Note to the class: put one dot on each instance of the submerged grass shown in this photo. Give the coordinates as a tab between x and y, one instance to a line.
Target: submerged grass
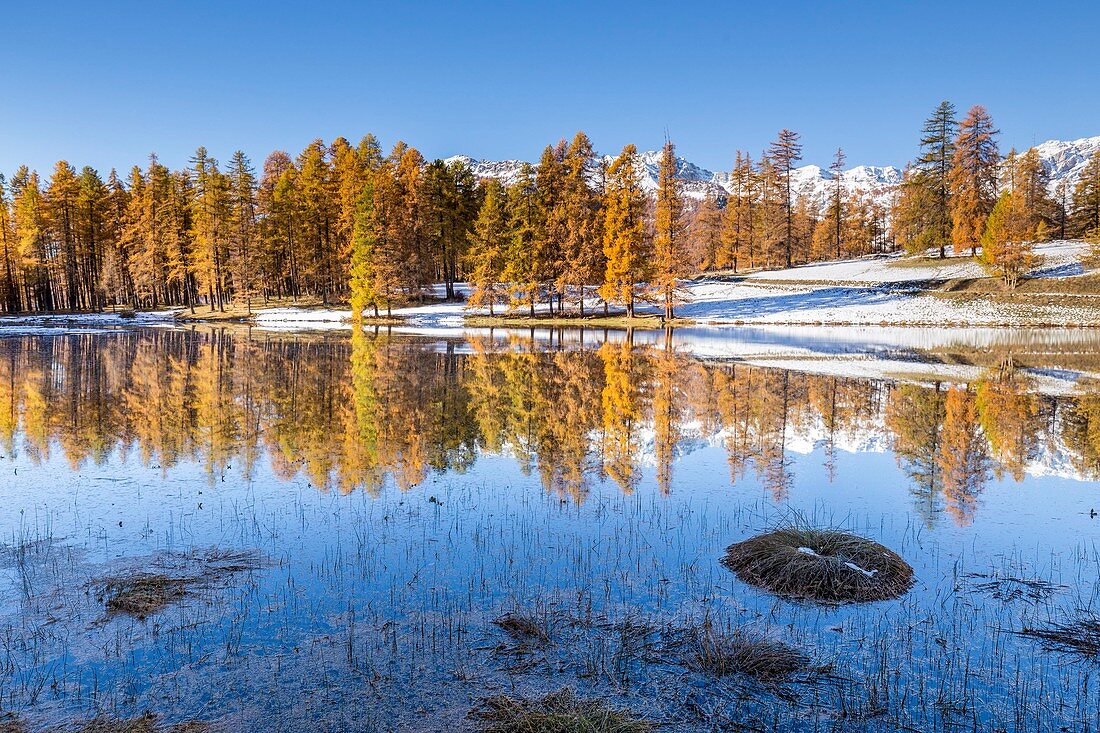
747	653
559	712
1078	637
522	627
145	723
826	565
142	593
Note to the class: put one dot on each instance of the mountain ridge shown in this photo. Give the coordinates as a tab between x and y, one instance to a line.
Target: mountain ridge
1064	161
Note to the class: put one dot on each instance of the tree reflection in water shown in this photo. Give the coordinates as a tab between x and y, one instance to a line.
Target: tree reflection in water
354	413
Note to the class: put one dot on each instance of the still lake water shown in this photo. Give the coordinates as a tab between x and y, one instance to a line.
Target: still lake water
351	513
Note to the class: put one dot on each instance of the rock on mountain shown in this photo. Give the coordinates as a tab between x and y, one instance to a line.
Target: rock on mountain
1063	160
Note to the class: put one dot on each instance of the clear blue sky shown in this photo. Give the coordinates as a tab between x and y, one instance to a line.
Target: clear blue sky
106	83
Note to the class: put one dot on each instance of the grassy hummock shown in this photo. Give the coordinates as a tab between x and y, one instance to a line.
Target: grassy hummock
824	565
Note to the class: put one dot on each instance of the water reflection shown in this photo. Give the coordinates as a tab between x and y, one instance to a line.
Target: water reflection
355	413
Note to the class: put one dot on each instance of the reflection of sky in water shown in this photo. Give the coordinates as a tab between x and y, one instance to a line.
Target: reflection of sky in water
422	572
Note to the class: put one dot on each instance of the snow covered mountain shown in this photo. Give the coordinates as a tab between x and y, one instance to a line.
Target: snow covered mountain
1064	161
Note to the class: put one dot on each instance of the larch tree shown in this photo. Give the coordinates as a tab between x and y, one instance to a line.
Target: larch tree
94	234
739	217
1032	179
209	212
552	230
315	189
705	232
61	200
7	244
242	235
366	263
973	178
521	269
32	237
583	236
488	246
783	153
772	218
669	262
624	235
1007	240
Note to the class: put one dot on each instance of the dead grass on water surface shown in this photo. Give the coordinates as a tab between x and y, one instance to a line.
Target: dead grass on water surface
1078	637
522	627
558	712
823	565
142	593
144	723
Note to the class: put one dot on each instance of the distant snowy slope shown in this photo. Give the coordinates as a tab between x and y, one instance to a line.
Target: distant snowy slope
1063	160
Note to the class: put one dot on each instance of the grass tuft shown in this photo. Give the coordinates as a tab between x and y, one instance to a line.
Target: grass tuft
746	653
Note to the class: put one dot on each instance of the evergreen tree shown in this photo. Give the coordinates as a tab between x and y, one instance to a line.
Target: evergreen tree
973	178
94	234
931	173
1086	199
783	154
836	206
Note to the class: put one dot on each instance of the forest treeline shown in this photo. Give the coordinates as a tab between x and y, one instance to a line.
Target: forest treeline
355	414
348	222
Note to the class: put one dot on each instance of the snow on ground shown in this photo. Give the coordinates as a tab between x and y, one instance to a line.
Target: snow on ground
883	290
1054	257
83	322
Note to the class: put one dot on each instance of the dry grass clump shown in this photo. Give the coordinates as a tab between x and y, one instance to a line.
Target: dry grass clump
748	653
826	565
522	628
143	594
1078	637
558	712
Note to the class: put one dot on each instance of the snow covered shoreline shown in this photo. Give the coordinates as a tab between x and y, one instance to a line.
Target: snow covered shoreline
885	291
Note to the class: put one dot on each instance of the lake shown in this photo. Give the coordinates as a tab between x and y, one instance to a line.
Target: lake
333	531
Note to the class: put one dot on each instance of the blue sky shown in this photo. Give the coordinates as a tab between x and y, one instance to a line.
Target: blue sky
106	83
